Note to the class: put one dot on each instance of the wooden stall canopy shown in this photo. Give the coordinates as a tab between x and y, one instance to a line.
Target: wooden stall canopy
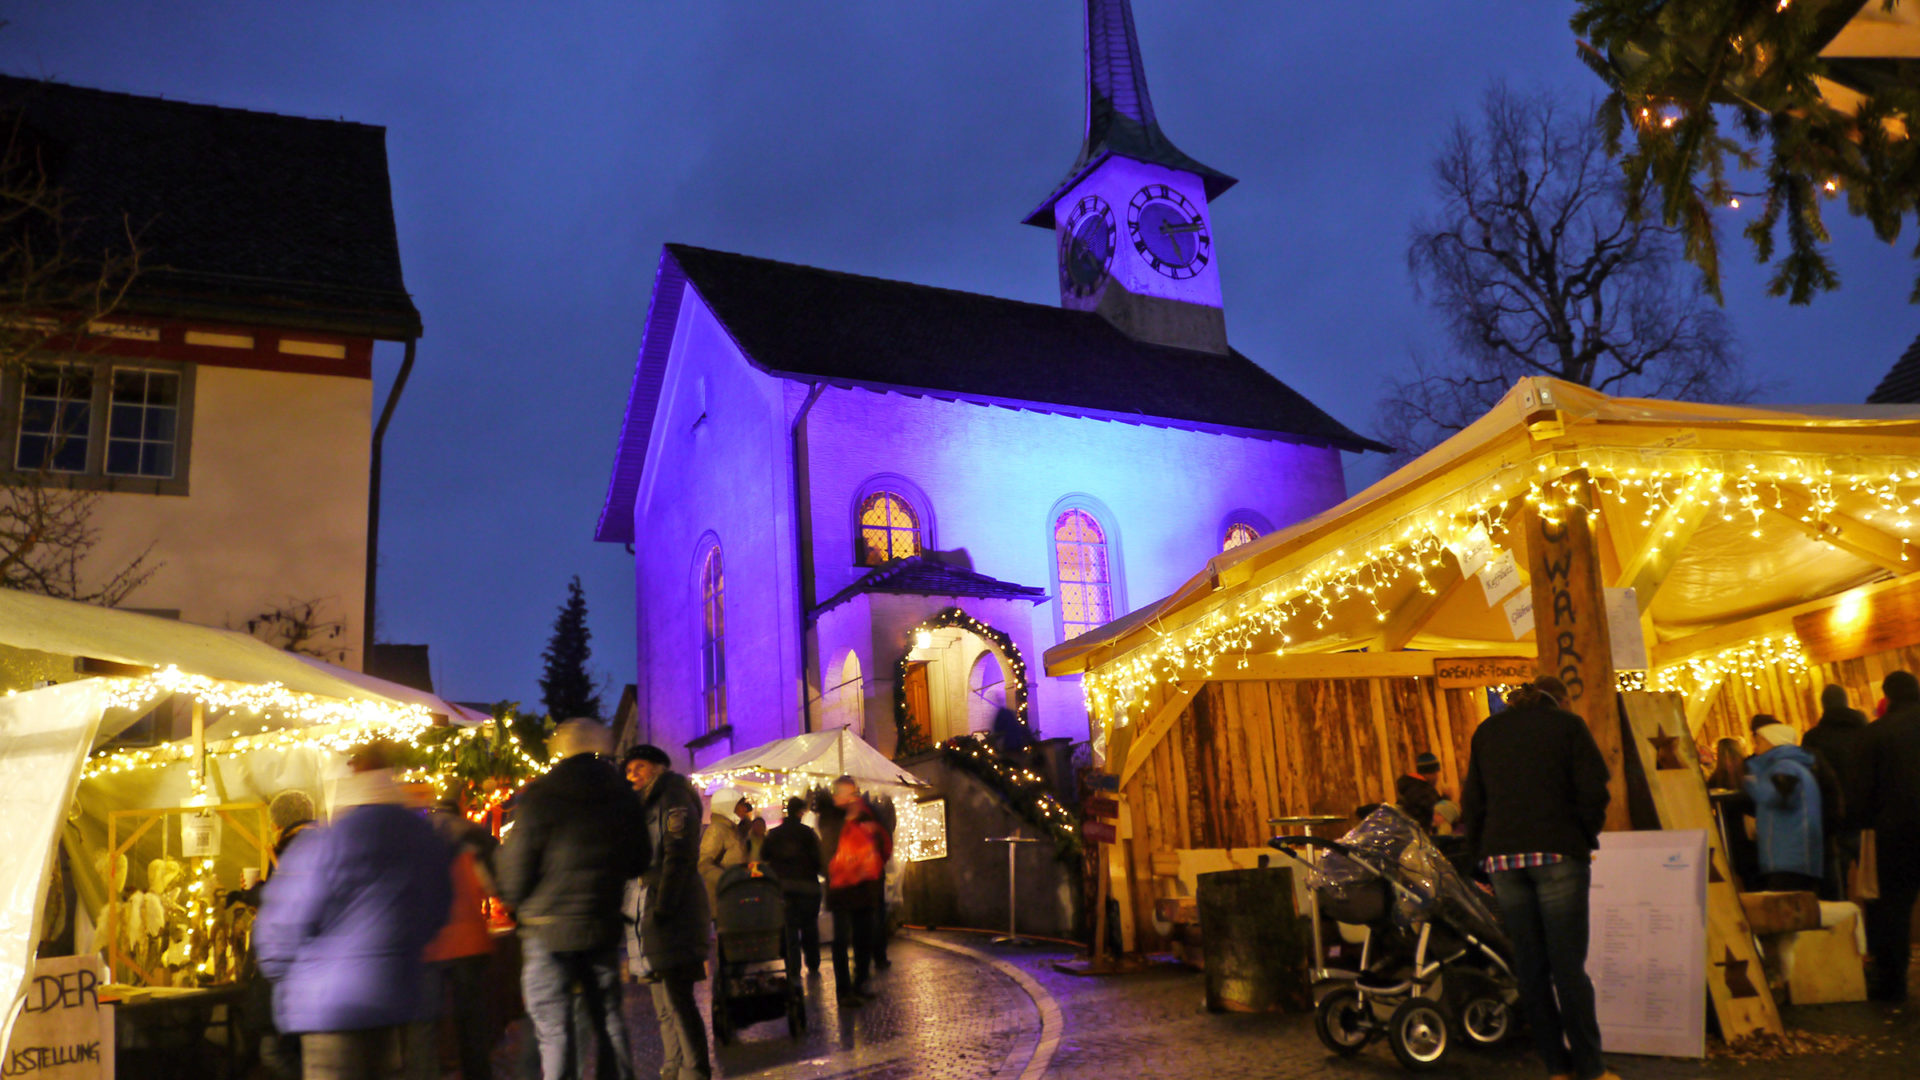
1766	552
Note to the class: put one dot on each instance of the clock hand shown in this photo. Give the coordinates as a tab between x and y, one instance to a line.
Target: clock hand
1169	228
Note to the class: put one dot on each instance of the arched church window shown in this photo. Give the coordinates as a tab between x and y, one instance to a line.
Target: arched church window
1239	533
889	529
713	637
1086	580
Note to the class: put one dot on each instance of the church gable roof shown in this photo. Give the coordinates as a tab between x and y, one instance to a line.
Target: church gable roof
1902	382
241	216
812	325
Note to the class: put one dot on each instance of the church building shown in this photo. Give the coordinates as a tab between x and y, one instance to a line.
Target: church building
863	503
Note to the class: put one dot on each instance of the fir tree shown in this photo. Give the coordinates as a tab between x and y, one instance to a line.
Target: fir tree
565	686
1680	68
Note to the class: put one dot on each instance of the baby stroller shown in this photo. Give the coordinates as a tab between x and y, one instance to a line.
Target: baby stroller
1435	960
752	983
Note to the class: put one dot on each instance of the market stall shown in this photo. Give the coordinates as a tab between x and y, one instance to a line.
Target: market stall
770	774
1709	561
138	756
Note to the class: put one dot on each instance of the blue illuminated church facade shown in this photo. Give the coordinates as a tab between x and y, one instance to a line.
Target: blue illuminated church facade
854	501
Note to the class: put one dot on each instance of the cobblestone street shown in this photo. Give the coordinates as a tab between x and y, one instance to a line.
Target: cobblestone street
948	1014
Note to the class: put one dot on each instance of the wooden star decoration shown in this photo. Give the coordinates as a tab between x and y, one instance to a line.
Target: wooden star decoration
1735	974
1666	752
1714	876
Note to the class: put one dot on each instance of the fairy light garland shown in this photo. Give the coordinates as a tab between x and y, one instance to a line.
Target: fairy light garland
1699	675
952	617
1732	486
1030	793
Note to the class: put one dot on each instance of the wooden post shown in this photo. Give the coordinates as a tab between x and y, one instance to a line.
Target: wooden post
1570	625
1100	905
200	744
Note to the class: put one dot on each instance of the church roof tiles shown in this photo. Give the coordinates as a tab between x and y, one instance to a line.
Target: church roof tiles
1902	383
922	575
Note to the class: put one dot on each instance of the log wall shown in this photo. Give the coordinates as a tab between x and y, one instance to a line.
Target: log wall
1244	752
1794	697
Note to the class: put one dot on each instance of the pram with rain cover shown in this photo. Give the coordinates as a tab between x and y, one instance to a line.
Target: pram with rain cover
1435	960
752	984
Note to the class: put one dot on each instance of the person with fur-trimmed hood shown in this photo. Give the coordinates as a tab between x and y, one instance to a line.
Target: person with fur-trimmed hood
668	920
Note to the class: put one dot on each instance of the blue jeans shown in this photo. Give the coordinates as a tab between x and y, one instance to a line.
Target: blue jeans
548	981
1545	909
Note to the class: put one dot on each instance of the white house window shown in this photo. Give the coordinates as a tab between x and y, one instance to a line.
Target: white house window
1239	533
56	418
100	425
142	422
713	636
888	528
1086	582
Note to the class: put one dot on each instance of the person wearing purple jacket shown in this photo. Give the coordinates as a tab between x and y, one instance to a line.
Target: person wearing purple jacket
342	924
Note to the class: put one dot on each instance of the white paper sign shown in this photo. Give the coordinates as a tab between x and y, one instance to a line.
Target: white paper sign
1623	628
1648	952
1520	614
1500	577
1473	552
199	836
63	1033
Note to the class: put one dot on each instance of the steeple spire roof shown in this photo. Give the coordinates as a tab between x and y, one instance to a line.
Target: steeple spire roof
1120	119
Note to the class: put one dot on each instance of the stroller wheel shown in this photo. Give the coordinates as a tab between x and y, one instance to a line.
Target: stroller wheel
1486	1021
1418	1034
1343	1022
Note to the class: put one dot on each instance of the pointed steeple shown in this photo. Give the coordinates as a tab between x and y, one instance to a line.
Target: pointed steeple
1120	119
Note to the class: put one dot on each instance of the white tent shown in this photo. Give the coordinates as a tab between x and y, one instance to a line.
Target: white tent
816	758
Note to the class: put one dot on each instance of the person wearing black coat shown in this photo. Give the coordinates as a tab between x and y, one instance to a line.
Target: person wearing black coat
1891	807
578	835
792	850
668	918
1840	739
1534	801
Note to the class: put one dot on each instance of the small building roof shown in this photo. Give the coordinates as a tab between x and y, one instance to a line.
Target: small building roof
929	575
823	326
242	216
1901	385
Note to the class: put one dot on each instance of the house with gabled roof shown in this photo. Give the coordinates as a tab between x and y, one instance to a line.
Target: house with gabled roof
873	504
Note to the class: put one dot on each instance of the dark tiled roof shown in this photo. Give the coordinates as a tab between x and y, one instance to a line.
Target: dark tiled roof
1120	116
1902	383
243	216
408	665
919	575
823	325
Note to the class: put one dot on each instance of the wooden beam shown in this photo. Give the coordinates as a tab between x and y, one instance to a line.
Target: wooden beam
1352	665
1412	614
1765	624
1644	568
1844	531
1149	734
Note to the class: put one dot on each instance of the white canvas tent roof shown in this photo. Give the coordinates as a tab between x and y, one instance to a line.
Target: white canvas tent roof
822	754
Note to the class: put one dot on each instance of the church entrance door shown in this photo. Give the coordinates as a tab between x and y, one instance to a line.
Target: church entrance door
919	708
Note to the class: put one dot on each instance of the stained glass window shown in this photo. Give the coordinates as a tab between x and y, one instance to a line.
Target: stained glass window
56	418
142	417
713	635
1086	584
888	529
1239	533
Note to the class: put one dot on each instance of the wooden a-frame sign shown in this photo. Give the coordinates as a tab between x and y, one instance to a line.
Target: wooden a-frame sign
1735	981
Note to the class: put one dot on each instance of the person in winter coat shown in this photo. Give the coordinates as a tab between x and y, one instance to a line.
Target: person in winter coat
1891	807
1841	738
724	845
458	957
856	875
668	920
792	850
1415	792
1783	782
578	835
342	923
1533	803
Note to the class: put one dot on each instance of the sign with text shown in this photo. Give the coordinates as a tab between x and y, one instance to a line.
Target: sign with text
1464	673
1647	912
63	1032
1519	611
1499	578
1473	552
1104	808
1624	630
1099	832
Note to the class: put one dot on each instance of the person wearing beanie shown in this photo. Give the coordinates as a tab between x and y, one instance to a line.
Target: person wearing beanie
1891	807
1786	799
1415	792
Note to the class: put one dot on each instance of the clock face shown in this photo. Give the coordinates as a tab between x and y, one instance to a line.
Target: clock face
1086	246
1169	231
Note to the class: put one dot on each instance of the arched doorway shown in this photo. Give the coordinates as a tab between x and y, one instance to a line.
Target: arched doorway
957	676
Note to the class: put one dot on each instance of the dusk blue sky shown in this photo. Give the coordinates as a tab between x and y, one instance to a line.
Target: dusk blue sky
542	153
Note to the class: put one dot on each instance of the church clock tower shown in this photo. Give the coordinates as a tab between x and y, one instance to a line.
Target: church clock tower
1131	220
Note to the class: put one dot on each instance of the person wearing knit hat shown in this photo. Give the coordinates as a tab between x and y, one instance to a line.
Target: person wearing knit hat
1786	798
